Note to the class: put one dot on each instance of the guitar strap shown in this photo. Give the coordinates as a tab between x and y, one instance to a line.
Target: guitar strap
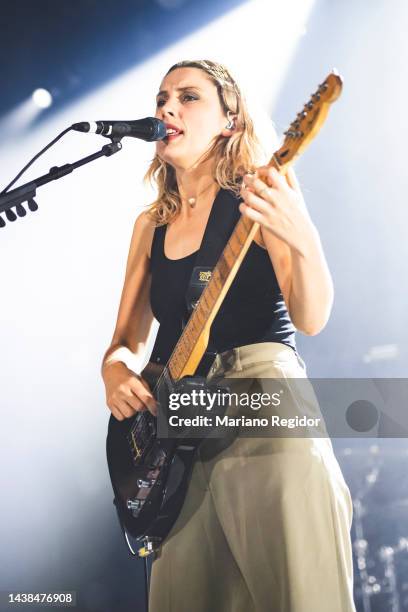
223	218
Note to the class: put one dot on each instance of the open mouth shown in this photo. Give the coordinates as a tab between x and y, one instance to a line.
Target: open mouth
172	134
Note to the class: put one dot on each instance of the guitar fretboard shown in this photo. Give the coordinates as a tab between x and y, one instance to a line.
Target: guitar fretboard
194	339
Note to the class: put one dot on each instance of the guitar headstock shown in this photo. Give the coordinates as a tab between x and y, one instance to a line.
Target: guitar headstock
308	122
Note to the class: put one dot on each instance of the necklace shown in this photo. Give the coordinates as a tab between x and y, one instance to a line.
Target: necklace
193	201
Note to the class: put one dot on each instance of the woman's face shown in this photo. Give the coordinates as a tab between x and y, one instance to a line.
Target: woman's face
188	101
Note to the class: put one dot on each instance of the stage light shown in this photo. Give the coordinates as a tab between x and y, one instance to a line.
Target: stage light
42	98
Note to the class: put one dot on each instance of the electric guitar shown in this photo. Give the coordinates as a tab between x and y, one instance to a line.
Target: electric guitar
150	475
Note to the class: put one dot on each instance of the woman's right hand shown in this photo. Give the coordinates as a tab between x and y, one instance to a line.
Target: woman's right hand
126	392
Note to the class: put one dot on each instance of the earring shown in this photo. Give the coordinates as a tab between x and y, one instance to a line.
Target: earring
230	125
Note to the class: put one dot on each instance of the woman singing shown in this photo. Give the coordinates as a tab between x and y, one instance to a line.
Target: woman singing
265	523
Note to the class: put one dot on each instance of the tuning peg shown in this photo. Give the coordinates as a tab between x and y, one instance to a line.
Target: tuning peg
2	222
11	215
20	210
32	205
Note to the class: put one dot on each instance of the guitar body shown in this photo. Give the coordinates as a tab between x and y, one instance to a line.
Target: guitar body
150	476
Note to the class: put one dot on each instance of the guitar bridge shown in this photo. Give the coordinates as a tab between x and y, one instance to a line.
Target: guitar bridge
135	505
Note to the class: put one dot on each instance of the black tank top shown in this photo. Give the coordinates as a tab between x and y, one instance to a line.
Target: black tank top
253	310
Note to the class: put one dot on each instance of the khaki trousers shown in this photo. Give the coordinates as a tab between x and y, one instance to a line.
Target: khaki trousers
265	526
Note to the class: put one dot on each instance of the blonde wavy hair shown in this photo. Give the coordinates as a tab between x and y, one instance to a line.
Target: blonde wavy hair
233	156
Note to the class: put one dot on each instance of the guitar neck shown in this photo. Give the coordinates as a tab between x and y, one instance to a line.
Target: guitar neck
193	342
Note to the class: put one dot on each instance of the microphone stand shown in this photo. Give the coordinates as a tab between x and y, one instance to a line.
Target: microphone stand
27	192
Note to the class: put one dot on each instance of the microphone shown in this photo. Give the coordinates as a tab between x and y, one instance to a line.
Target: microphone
148	129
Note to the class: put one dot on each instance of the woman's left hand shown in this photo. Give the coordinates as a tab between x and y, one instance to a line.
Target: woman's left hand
277	204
